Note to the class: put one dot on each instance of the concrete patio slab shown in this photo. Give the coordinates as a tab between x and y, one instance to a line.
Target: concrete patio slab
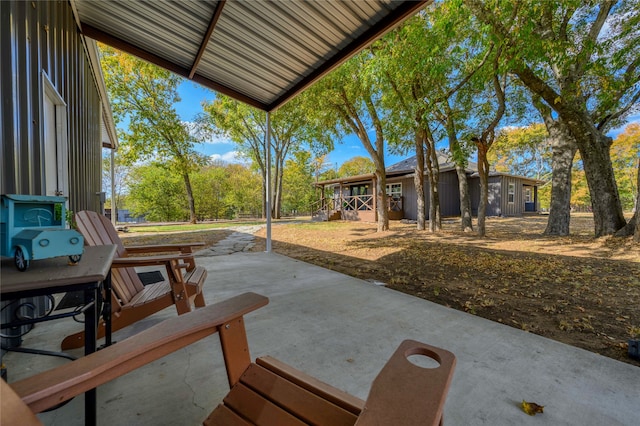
342	330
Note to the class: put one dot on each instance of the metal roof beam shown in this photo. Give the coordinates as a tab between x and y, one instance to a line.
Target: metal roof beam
207	36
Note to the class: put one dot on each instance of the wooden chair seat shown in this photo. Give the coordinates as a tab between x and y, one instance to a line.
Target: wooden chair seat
150	293
131	300
267	392
264	396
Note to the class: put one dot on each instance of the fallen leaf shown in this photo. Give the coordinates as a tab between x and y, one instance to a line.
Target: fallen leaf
531	408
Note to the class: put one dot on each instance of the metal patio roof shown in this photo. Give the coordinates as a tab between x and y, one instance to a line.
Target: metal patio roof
261	52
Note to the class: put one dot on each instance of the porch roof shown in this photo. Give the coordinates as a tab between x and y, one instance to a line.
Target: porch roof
260	52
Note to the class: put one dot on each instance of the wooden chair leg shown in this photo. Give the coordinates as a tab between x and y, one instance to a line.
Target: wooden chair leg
178	288
199	300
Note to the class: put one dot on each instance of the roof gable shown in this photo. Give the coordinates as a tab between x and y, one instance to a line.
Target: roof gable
408	165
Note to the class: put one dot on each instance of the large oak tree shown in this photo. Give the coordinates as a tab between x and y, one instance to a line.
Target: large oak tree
143	98
581	58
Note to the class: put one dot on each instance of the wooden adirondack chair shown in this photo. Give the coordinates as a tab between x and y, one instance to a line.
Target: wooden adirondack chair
131	300
267	392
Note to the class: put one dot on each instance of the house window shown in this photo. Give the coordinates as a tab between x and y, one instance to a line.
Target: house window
511	193
359	190
394	190
527	195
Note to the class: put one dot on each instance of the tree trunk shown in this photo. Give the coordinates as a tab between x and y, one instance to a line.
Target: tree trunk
633	226
381	193
433	172
418	180
264	193
636	236
605	200
466	224
277	187
594	150
190	200
483	172
564	149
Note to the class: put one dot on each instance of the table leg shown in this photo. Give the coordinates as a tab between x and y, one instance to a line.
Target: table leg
106	313
90	337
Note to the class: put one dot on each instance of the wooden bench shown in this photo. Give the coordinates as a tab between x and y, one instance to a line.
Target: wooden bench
266	392
131	300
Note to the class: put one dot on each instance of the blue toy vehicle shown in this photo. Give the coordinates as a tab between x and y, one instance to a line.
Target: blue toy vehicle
34	227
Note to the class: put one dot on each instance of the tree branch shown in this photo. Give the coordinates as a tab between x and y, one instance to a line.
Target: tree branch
611	117
468	77
589	42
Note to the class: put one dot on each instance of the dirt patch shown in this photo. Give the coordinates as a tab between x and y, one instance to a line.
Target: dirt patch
578	290
208	237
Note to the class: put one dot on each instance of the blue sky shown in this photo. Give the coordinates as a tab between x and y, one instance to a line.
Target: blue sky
193	95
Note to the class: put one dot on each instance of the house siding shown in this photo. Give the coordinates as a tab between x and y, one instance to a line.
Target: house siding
37	37
447	190
494	202
517	206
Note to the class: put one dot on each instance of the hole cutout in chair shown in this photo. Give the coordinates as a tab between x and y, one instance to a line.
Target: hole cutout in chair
423	361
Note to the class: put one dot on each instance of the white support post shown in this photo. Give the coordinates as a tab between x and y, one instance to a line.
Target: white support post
114	210
267	150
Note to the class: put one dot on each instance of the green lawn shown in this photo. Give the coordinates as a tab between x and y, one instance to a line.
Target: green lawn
182	227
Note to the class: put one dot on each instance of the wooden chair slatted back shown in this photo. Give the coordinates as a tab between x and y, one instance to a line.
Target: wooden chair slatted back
97	230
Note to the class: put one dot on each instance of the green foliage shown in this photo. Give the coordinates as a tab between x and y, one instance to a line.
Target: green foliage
157	194
224	191
523	151
298	179
246	127
210	190
624	157
348	101
144	96
244	196
356	166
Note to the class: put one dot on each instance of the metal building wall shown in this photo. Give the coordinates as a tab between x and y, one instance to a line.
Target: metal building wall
37	37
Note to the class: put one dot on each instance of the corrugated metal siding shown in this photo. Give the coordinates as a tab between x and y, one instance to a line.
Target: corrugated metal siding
37	37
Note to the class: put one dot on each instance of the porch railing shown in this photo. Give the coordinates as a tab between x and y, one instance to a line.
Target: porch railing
352	203
357	202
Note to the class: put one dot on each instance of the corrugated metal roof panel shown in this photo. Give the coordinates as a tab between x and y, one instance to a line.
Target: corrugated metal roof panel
261	52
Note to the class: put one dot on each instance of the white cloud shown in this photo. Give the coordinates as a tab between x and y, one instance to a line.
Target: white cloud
216	140
233	157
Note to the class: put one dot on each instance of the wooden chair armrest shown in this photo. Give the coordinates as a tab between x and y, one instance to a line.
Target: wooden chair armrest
406	394
163	259
49	388
156	248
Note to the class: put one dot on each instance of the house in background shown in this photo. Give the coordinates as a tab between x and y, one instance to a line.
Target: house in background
352	198
55	112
